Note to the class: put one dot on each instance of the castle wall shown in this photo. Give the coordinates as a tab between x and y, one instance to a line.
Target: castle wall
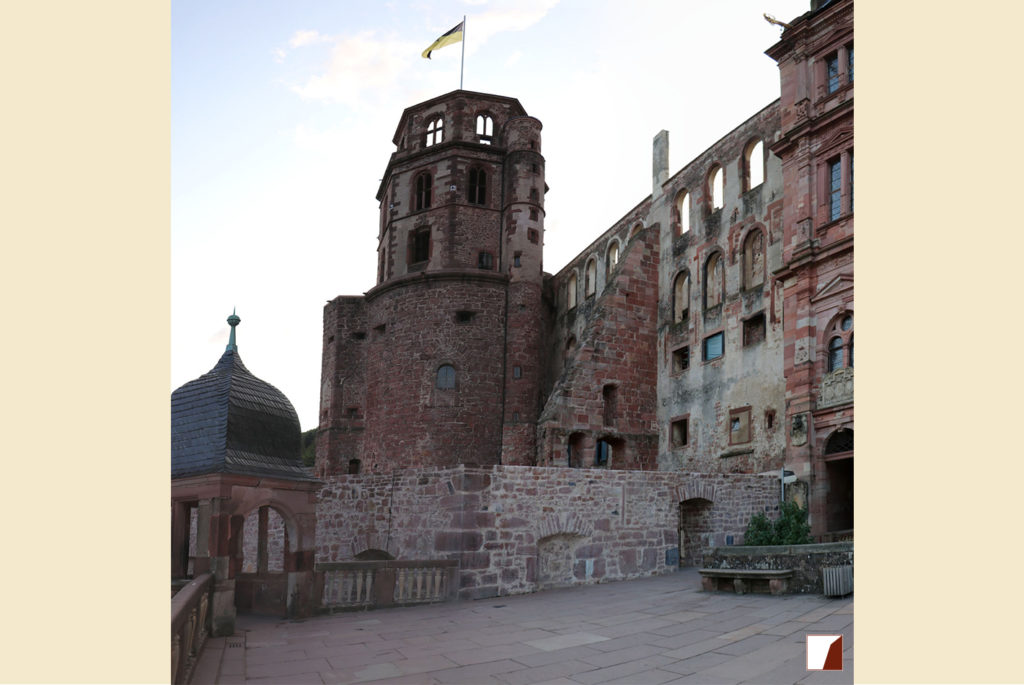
602	353
518	529
722	412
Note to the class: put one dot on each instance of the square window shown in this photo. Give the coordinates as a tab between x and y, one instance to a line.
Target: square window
739	426
714	346
754	330
517	259
681	359
832	73
681	432
533	235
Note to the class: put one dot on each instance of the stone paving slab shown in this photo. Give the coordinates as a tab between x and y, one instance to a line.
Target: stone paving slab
647	631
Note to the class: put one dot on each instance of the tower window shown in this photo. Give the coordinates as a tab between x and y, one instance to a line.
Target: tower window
534	215
435	131
485	128
423	186
533	235
420	247
485	260
446	377
477	186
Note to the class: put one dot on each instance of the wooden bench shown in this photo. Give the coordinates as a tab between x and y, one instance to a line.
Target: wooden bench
746	580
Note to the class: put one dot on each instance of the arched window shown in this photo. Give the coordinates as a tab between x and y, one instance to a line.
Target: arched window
485	128
570	291
716	185
636	229
683	207
840	441
713	281
613	256
446	377
753	259
477	186
591	278
835	353
423	185
754	164
681	297
435	131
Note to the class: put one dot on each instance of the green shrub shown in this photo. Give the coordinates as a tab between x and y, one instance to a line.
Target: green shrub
791	528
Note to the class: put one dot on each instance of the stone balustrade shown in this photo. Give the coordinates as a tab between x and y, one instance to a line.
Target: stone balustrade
190	626
371	584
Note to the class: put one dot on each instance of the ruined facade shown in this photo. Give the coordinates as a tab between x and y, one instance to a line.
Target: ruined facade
707	331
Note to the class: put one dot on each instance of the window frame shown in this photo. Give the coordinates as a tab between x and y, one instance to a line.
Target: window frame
477	186
435	132
742	415
704	346
443	380
423	187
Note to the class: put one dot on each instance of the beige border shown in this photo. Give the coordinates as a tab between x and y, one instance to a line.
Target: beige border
84	196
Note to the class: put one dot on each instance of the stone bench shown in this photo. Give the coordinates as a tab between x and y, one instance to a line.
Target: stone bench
746	580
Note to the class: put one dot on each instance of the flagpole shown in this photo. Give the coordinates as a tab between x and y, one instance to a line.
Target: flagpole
462	66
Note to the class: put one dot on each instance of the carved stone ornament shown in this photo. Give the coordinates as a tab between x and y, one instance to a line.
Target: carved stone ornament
798	431
836	388
801	353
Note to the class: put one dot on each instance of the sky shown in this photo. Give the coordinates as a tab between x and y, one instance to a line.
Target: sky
282	115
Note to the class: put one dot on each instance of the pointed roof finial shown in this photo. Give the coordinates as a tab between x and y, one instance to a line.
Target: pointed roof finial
233	321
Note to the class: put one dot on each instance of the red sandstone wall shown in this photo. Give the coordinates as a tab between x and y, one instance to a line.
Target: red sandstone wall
342	385
515	529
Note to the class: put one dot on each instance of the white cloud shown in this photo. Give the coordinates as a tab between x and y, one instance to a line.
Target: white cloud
359	64
279	54
513	58
505	15
301	38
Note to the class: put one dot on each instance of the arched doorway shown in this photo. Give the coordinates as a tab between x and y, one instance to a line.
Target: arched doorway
838	455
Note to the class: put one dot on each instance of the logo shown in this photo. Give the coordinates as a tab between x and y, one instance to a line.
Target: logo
824	652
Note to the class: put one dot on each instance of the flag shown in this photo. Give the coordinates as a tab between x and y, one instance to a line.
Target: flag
454	35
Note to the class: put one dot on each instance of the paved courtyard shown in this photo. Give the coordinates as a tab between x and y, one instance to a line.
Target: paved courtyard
653	630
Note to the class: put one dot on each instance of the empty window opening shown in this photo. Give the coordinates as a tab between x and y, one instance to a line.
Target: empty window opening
351	412
517	372
681	432
534	215
435	131
423	187
714	346
534	195
769	418
533	235
754	330
681	298
420	247
477	186
739	426
713	281
832	73
613	256
464	316
635	230
590	277
570	344
534	168
609	394
753	260
485	128
359	335
683	207
353	466
681	359
570	291
755	165
602	453
485	260
717	186
517	259
330	339
446	377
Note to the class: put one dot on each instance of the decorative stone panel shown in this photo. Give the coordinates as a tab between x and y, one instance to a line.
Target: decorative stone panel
836	388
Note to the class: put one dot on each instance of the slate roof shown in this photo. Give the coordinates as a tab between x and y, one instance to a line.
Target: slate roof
230	421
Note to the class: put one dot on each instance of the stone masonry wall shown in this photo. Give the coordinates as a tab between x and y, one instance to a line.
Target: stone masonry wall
516	529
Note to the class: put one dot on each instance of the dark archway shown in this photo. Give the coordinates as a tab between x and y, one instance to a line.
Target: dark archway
695	529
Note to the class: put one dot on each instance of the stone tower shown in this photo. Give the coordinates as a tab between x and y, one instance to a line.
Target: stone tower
438	364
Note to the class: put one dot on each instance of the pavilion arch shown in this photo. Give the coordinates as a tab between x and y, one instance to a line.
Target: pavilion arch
292	529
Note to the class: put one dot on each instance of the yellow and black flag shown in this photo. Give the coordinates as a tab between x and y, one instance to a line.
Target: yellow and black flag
454	35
